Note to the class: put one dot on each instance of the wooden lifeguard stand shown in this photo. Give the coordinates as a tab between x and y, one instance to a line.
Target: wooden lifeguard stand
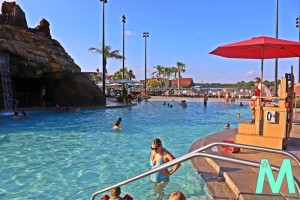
273	120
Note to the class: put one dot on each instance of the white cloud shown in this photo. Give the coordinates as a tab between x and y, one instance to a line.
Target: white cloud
129	33
248	74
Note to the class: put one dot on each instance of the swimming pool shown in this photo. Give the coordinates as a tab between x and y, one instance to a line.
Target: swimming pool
71	155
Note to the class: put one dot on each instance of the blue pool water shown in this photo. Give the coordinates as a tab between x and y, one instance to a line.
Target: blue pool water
71	155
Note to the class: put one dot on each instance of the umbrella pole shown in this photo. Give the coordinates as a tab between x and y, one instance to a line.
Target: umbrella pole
259	126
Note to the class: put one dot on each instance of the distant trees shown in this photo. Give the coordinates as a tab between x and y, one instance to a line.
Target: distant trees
166	73
239	85
159	71
127	73
180	69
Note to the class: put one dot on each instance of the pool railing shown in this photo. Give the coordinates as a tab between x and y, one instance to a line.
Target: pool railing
199	152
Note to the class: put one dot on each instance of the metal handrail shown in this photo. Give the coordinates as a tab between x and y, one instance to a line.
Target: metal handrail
266	149
196	153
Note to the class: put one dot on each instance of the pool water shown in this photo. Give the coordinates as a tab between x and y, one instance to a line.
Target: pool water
71	155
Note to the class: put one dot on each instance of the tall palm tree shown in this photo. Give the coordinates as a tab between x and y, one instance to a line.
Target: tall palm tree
180	69
167	72
166	75
108	53
174	71
128	74
159	70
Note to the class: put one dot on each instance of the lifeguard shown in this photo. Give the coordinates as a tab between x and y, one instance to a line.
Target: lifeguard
259	88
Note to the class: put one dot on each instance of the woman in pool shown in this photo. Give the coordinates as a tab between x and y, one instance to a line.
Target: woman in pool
158	157
117	124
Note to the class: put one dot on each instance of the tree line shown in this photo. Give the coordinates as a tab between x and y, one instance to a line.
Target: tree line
164	73
239	85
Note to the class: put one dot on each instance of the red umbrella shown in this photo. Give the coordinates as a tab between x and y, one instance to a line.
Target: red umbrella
260	48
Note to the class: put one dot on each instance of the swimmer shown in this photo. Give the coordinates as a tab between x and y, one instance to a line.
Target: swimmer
227	125
16	115
117	124
238	115
77	109
24	115
159	156
183	104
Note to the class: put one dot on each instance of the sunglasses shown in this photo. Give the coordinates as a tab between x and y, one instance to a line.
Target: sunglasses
255	81
155	148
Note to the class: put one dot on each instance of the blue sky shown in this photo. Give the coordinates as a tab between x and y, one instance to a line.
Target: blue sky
184	31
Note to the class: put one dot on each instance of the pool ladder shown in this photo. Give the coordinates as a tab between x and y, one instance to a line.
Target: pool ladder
199	152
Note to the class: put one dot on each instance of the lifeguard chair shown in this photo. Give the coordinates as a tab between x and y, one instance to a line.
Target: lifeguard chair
273	120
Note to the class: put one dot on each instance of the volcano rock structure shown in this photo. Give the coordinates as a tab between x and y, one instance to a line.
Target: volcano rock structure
37	60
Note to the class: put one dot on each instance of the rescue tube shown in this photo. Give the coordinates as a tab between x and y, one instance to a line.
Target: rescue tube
230	149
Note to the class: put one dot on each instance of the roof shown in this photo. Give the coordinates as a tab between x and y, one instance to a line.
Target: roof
185	82
108	76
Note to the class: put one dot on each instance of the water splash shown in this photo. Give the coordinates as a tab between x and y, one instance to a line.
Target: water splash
6	85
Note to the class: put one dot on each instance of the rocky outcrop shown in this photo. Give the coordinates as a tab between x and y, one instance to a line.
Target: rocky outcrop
67	92
12	14
44	27
32	54
36	60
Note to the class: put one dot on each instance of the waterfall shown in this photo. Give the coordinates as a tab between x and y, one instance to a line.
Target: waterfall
5	77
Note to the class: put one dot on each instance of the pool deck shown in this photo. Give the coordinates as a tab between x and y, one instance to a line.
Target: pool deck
226	180
112	103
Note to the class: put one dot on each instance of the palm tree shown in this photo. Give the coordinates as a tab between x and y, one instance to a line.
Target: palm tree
128	74
96	78
167	72
174	70
118	75
159	70
107	54
180	69
166	75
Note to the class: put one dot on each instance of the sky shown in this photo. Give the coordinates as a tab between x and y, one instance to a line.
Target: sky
179	31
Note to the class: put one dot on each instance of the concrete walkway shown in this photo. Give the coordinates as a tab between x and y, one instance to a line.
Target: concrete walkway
226	180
